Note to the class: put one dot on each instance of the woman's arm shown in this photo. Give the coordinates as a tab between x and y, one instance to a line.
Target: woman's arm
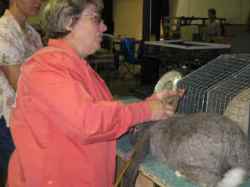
12	73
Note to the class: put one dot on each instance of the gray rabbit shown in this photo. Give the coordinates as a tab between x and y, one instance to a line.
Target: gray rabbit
207	148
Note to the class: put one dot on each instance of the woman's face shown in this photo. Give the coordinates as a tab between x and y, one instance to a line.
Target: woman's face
28	7
87	32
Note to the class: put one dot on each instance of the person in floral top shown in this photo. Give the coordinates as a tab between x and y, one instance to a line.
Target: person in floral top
18	40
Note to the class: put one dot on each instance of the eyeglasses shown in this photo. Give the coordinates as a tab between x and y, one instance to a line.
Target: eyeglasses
96	18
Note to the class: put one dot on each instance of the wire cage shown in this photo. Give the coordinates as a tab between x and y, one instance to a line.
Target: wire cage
226	90
212	86
238	109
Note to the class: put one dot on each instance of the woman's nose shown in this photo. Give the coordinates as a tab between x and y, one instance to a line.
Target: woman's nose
103	27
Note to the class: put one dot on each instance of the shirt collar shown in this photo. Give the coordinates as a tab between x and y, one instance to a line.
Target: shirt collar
62	44
12	21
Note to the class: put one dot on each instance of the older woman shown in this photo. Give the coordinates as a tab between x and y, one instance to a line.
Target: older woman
65	123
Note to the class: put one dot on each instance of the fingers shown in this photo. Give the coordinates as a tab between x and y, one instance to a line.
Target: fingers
168	93
181	92
160	110
169	110
163	104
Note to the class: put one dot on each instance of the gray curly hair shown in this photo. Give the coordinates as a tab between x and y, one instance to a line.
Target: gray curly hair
57	13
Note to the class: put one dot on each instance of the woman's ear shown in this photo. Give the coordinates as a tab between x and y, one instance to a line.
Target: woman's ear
70	23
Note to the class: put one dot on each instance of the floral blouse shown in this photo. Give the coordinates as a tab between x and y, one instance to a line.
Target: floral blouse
16	45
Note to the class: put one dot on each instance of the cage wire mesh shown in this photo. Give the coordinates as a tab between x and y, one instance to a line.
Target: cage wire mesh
220	95
238	109
212	86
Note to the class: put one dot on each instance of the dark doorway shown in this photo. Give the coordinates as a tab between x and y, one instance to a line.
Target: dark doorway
4	4
153	12
108	15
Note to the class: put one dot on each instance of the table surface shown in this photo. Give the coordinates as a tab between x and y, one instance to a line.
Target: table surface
188	45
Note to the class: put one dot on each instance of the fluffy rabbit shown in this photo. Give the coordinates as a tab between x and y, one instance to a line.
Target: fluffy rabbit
207	148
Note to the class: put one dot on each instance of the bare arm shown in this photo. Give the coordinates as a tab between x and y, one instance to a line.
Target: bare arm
12	73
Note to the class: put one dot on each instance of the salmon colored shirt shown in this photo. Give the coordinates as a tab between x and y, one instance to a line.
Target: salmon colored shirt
65	122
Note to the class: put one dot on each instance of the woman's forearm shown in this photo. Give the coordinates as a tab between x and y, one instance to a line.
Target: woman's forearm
12	73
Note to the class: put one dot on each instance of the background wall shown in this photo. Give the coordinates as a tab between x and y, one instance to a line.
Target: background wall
128	13
235	11
128	18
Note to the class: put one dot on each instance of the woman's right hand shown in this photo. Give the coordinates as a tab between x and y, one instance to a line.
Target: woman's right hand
163	104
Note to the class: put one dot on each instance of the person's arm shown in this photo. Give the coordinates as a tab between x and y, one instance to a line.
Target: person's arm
12	73
10	60
57	99
70	107
65	103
